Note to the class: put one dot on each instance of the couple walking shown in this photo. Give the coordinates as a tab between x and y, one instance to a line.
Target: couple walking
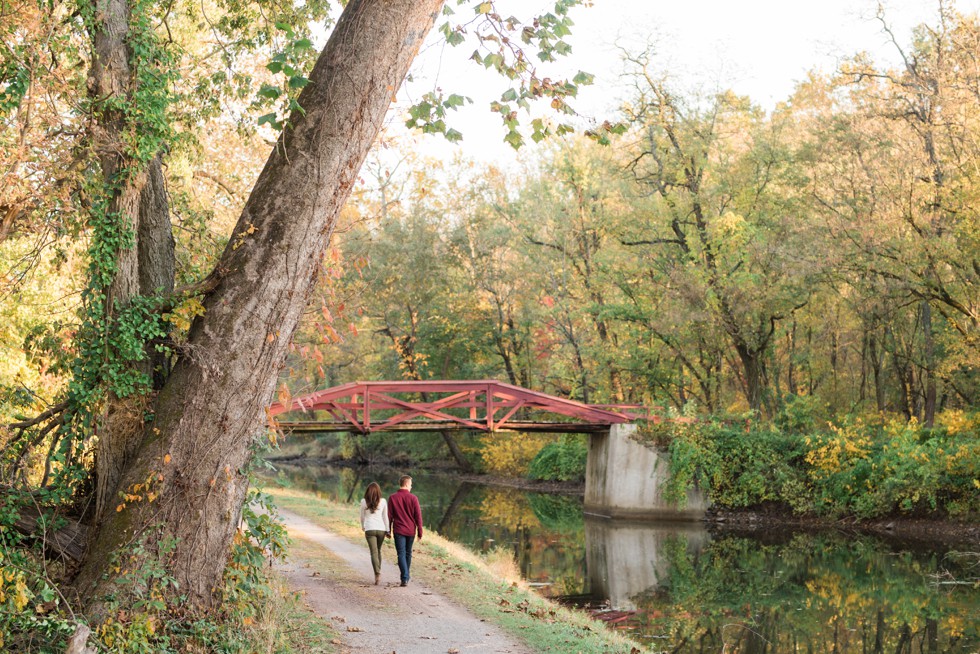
401	514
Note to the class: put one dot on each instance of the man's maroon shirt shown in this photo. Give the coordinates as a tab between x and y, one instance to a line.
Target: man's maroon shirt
405	513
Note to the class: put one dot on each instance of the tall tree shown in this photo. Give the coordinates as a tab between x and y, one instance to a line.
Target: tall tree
206	415
895	179
571	216
723	215
175	433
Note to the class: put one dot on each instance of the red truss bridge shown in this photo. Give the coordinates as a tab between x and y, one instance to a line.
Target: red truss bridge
485	405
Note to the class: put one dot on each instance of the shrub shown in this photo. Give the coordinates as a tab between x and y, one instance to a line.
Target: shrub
737	464
510	454
563	460
859	467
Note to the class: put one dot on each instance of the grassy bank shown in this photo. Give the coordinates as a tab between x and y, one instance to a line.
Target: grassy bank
300	630
488	586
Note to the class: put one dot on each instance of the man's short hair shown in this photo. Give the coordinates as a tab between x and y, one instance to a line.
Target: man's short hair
403	481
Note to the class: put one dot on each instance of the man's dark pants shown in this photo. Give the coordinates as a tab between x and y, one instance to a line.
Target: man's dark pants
403	546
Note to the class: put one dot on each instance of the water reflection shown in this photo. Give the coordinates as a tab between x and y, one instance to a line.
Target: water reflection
626	560
687	591
813	593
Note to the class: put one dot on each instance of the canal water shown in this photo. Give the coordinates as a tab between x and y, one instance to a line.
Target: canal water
679	588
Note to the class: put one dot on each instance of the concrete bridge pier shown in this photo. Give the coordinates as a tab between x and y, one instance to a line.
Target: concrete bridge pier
625	479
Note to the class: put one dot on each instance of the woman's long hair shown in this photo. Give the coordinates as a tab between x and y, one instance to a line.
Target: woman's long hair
372	496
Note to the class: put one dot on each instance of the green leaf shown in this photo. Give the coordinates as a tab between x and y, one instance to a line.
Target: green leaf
421	110
493	59
269	91
270	119
484	8
298	82
453	36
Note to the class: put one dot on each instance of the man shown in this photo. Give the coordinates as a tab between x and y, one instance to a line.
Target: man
406	521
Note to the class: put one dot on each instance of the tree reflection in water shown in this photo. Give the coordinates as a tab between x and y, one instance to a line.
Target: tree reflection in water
698	593
814	594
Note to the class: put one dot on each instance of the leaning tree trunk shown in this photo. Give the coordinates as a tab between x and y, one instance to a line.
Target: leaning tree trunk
211	409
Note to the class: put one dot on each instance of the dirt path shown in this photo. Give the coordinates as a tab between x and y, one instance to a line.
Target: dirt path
387	618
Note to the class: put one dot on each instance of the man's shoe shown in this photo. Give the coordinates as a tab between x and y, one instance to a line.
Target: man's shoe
377	578
404	583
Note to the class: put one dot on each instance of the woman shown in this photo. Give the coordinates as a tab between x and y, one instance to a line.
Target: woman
374	521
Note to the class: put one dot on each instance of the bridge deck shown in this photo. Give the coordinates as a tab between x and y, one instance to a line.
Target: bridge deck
313	426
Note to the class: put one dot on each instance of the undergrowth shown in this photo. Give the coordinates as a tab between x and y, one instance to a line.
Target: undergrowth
864	467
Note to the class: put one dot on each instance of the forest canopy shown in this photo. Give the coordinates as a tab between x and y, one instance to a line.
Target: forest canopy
716	256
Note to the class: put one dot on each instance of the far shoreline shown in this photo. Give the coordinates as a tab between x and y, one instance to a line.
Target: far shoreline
750	521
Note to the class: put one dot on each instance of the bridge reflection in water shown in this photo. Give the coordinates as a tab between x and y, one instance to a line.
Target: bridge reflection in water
626	560
688	591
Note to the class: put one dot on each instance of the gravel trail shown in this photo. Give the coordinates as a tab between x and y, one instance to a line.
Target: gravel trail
387	618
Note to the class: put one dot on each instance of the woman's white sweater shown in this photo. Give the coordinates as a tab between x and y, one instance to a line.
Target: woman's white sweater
376	521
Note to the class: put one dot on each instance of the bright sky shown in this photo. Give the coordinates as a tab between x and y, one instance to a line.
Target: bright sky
759	48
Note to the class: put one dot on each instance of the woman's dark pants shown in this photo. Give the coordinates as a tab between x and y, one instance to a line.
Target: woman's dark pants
375	539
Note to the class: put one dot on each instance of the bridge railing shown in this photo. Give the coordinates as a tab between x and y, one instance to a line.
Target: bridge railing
485	405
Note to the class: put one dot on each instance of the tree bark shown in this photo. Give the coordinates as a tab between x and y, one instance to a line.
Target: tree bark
456	452
211	409
140	206
928	374
752	365
147	269
877	372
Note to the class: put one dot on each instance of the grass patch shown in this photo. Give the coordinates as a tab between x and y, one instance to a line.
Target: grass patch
303	631
491	589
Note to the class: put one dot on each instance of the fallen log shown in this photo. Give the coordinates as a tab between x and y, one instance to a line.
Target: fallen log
66	542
